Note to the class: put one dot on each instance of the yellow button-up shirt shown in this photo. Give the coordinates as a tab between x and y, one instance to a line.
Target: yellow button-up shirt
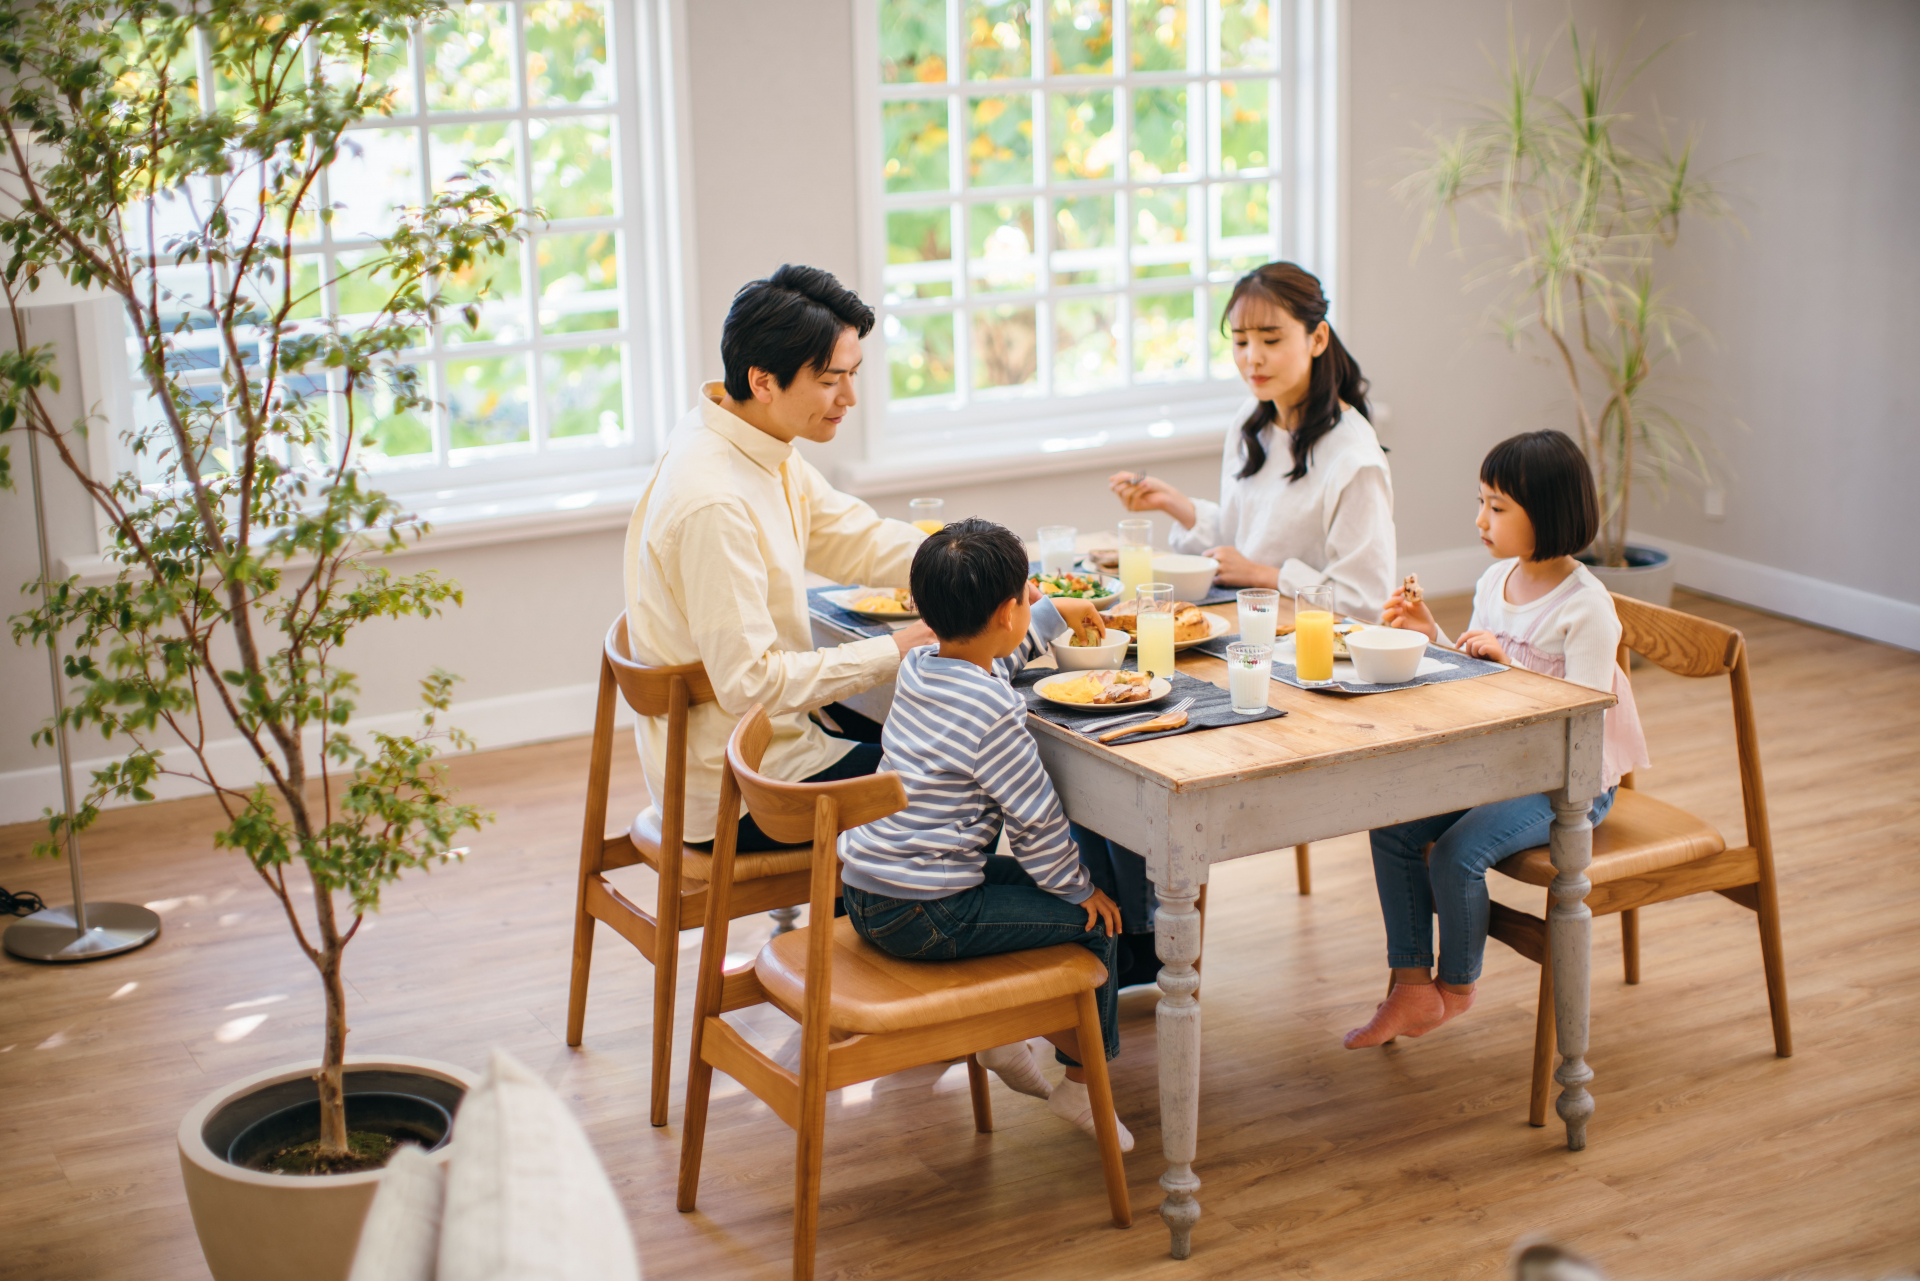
716	562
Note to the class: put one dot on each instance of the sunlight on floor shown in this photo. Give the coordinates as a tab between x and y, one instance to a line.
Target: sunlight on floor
234	1029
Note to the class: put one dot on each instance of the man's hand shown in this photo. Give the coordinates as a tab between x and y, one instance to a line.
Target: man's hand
1102	911
1237	571
1415	617
1482	645
914	634
1080	615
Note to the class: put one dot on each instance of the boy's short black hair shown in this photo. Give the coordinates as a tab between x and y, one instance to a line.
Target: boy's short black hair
965	572
1545	472
785	323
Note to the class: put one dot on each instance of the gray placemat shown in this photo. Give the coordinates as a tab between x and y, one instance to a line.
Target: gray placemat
1212	707
1458	667
828	612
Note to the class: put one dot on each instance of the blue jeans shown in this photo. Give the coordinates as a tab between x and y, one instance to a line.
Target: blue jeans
1121	875
1006	912
1452	882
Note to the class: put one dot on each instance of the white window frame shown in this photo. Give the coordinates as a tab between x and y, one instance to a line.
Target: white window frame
966	437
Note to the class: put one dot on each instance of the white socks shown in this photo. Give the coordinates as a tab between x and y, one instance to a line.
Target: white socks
1071	1102
1015	1065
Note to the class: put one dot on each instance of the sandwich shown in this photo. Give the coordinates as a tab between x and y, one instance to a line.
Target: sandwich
1410	590
1188	622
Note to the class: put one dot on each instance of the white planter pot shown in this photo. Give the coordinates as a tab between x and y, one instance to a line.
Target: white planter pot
281	1227
1647	575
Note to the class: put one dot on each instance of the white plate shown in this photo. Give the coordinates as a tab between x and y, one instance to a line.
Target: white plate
1158	689
1216	625
845	600
1098	602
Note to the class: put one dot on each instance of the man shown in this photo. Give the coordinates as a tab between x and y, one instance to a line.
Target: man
719	546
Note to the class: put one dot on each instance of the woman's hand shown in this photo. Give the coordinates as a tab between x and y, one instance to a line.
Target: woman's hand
1414	618
1237	571
1103	912
1080	616
1482	645
1150	494
913	634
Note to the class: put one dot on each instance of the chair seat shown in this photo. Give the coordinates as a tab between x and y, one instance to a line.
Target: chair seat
1638	836
697	864
874	992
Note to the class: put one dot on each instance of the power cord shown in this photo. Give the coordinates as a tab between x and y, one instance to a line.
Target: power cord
25	903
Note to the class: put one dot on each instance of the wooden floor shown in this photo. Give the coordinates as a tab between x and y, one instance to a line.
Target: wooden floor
1710	1158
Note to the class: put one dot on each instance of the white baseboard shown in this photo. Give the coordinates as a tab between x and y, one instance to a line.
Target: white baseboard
509	721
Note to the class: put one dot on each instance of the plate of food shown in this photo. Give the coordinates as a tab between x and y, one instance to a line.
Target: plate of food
1102	560
1104	691
1101	590
882	604
1191	624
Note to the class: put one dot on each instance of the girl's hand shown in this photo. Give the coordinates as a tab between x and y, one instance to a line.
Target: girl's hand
1080	615
1237	571
1148	494
1482	645
1414	618
1102	912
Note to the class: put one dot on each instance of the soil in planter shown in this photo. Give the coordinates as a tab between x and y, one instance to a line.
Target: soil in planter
287	1141
365	1151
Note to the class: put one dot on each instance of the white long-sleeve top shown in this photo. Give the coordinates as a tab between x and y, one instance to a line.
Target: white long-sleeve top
1333	525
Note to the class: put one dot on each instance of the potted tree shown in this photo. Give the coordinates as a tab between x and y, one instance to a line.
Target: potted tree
1583	213
244	531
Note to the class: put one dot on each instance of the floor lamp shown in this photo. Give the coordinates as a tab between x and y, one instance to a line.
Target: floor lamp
86	931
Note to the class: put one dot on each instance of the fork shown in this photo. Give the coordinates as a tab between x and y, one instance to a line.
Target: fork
1115	722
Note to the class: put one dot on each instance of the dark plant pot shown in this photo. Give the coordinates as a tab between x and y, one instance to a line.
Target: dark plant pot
1647	575
402	1116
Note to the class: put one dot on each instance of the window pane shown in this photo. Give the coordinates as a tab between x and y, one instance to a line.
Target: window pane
1245	35
357	291
1231	269
920	253
1000	152
1086	345
567	53
494	290
1000	245
920	355
579	282
1244	111
1005	350
573	173
487	402
584	391
1157	35
914	135
1085	144
377	174
1219	340
999	39
1084	248
1159	132
387	71
1165	344
384	432
913	41
1242	209
470	59
478	154
1080	38
1162	235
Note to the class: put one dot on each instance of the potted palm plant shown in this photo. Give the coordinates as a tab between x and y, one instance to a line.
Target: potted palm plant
169	156
1584	214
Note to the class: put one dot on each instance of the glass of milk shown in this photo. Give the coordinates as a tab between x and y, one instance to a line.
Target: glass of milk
1056	548
1249	670
1259	610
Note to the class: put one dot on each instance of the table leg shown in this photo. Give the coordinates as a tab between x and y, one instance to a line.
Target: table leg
1571	940
1177	938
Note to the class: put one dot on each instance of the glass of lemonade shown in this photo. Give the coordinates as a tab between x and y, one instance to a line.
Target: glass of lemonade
1313	634
1259	611
1056	548
1249	671
926	514
1156	628
1136	555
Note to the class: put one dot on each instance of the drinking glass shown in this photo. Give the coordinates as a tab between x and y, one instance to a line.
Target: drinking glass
1156	629
1056	548
1249	670
1313	634
1259	611
925	513
1136	555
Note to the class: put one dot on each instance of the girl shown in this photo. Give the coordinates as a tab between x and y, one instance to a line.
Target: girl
1540	609
1322	509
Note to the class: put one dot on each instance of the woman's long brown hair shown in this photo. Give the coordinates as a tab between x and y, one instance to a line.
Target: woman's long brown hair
1335	377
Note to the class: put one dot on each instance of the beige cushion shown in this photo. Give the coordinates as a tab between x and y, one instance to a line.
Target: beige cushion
527	1199
400	1240
1639	835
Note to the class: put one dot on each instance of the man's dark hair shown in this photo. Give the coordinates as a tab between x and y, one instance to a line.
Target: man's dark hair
965	572
785	323
1545	472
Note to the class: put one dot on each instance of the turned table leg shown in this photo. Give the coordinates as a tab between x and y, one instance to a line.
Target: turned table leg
1177	939
1571	940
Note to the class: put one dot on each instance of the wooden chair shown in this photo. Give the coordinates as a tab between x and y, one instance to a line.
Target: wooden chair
774	879
862	1014
1648	851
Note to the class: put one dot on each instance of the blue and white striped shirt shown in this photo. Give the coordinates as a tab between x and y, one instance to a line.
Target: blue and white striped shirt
958	738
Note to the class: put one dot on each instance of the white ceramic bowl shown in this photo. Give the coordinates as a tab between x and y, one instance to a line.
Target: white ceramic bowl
1191	576
1085	658
1385	655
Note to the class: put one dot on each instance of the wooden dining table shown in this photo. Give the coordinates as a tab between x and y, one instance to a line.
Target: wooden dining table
1334	765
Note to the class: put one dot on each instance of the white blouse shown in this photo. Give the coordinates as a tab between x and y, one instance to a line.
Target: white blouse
1333	525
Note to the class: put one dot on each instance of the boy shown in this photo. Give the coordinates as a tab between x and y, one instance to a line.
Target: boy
924	882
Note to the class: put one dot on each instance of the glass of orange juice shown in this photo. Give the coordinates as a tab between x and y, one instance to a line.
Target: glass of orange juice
1313	634
926	514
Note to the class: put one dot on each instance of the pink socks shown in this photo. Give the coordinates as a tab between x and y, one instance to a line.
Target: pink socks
1409	1010
1457	1003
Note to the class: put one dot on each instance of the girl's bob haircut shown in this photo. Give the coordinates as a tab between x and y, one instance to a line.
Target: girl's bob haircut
1545	472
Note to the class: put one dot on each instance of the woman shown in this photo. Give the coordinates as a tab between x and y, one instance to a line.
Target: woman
1320	512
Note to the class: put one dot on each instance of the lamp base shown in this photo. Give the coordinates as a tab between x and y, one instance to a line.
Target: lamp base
112	928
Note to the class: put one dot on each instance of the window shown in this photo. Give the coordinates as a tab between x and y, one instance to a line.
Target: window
1061	194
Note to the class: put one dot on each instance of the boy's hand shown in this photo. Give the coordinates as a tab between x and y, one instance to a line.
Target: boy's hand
1102	911
1081	616
1414	618
1483	645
